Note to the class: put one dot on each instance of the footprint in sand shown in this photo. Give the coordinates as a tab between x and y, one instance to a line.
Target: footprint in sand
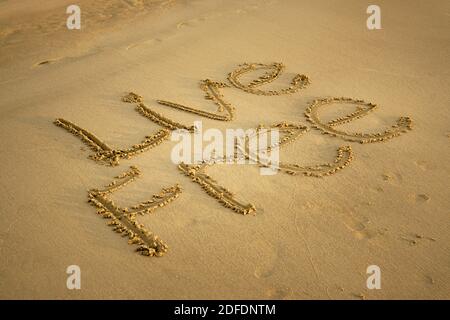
279	293
419	198
359	226
378	189
415	239
392	177
184	24
266	257
191	22
46	62
430	279
423	197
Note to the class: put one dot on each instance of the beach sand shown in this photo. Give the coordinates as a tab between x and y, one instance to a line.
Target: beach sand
310	237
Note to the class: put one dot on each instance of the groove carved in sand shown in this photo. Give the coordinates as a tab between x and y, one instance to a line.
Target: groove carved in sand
212	92
123	220
274	70
108	155
198	174
343	159
363	108
292	132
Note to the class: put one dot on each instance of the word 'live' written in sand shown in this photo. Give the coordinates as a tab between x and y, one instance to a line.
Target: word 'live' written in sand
124	220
